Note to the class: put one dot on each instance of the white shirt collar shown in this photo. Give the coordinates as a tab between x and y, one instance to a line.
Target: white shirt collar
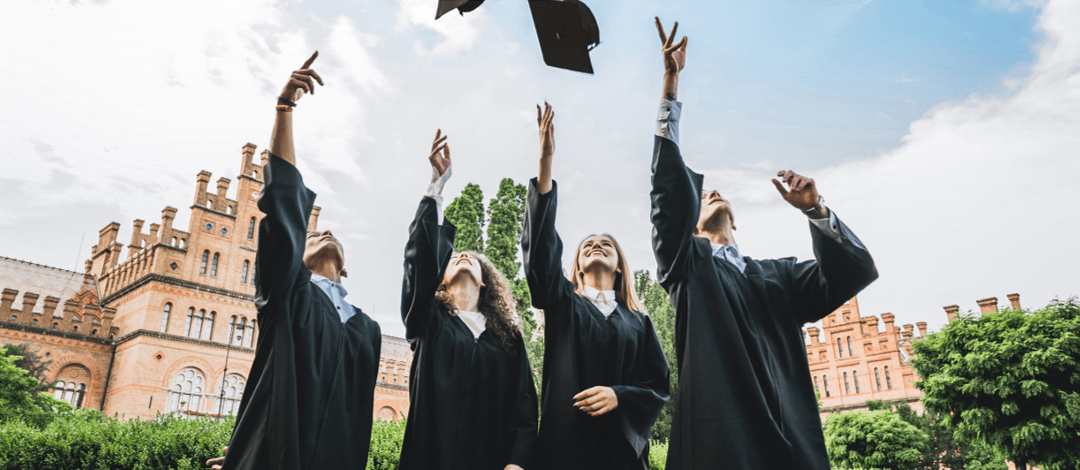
731	254
473	320
603	300
318	278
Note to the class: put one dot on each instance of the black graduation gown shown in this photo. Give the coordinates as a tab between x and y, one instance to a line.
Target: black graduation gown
308	399
746	399
582	350
472	406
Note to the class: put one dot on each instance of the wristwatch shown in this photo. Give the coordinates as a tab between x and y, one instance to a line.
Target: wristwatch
815	212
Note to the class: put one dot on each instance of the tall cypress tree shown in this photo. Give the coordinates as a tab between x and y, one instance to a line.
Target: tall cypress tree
506	214
467	214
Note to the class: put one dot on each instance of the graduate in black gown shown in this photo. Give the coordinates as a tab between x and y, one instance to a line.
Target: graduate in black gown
308	400
746	399
472	402
605	375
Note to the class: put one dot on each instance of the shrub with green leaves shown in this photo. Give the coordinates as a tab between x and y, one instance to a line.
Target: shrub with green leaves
873	439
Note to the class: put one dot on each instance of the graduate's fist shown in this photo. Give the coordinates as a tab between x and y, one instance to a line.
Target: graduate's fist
440	153
802	193
217	462
546	121
596	400
302	81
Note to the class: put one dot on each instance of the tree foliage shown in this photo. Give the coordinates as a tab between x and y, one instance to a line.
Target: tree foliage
1009	379
506	214
944	450
31	362
873	439
466	212
19	400
658	305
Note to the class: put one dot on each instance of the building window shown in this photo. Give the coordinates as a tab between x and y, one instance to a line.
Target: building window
165	317
250	333
186	391
225	231
213	267
855	378
851	352
209	330
234	392
877	378
55	325
816	390
209	226
232	330
888	379
16	317
34	322
240	331
847	385
205	258
187	322
70	392
825	380
196	326
251	229
839	343
244	273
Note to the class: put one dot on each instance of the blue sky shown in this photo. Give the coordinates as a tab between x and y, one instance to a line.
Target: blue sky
940	131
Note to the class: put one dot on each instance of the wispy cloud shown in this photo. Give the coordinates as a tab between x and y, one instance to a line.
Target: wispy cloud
904	80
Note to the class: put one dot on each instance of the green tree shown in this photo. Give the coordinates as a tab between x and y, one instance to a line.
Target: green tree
31	362
506	214
944	450
873	439
658	304
1009	379
18	399
466	212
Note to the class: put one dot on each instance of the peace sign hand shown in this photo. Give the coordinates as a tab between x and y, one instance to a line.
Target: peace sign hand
674	54
302	81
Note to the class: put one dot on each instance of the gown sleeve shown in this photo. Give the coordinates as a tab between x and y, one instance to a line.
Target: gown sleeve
279	261
426	256
842	268
676	205
542	250
641	401
523	418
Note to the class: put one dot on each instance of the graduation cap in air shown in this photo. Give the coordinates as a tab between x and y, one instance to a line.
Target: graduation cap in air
566	29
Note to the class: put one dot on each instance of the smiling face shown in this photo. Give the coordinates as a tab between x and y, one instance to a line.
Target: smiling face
464	267
598	252
713	208
321	247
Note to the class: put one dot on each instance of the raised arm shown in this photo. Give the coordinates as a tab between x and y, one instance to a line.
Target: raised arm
843	266
541	246
428	250
287	203
676	193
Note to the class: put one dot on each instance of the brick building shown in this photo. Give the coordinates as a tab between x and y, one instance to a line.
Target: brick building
853	360
150	333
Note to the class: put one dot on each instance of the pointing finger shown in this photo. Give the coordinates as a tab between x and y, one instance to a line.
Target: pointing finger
307	64
780	187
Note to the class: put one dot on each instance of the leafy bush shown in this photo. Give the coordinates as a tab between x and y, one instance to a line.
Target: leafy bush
386	438
867	439
657	455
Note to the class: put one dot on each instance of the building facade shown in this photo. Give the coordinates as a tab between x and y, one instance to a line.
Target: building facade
166	324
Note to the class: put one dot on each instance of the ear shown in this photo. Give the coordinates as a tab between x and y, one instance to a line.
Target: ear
344	273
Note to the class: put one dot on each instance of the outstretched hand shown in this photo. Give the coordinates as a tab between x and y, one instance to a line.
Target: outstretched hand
217	462
302	81
802	193
674	53
546	121
440	153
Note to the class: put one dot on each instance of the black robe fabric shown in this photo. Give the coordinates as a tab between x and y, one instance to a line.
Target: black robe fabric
308	399
582	350
472	406
746	398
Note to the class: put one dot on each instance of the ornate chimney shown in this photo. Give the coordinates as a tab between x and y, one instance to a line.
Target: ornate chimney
987	305
1014	299
952	311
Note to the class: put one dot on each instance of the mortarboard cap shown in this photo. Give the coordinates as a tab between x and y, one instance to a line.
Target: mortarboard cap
462	6
567	31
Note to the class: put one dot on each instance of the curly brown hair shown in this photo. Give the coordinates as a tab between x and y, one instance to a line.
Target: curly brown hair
496	304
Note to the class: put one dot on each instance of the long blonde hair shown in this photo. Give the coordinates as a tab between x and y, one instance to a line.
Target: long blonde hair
624	279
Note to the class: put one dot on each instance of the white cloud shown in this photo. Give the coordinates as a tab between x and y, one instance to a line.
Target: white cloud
457	33
904	80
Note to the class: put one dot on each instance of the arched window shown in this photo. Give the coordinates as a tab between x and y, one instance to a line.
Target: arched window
165	317
240	331
75	329
244	273
840	347
196	326
851	352
187	322
70	392
234	391
205	258
825	380
251	229
855	378
232	330
208	332
888	379
385	414
847	385
55	325
816	390
213	267
186	390
250	333
877	378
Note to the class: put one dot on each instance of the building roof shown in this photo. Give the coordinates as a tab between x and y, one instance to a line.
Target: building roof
46	281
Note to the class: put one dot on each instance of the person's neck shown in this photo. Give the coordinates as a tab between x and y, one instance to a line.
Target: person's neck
718	233
466	294
599	279
328	269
